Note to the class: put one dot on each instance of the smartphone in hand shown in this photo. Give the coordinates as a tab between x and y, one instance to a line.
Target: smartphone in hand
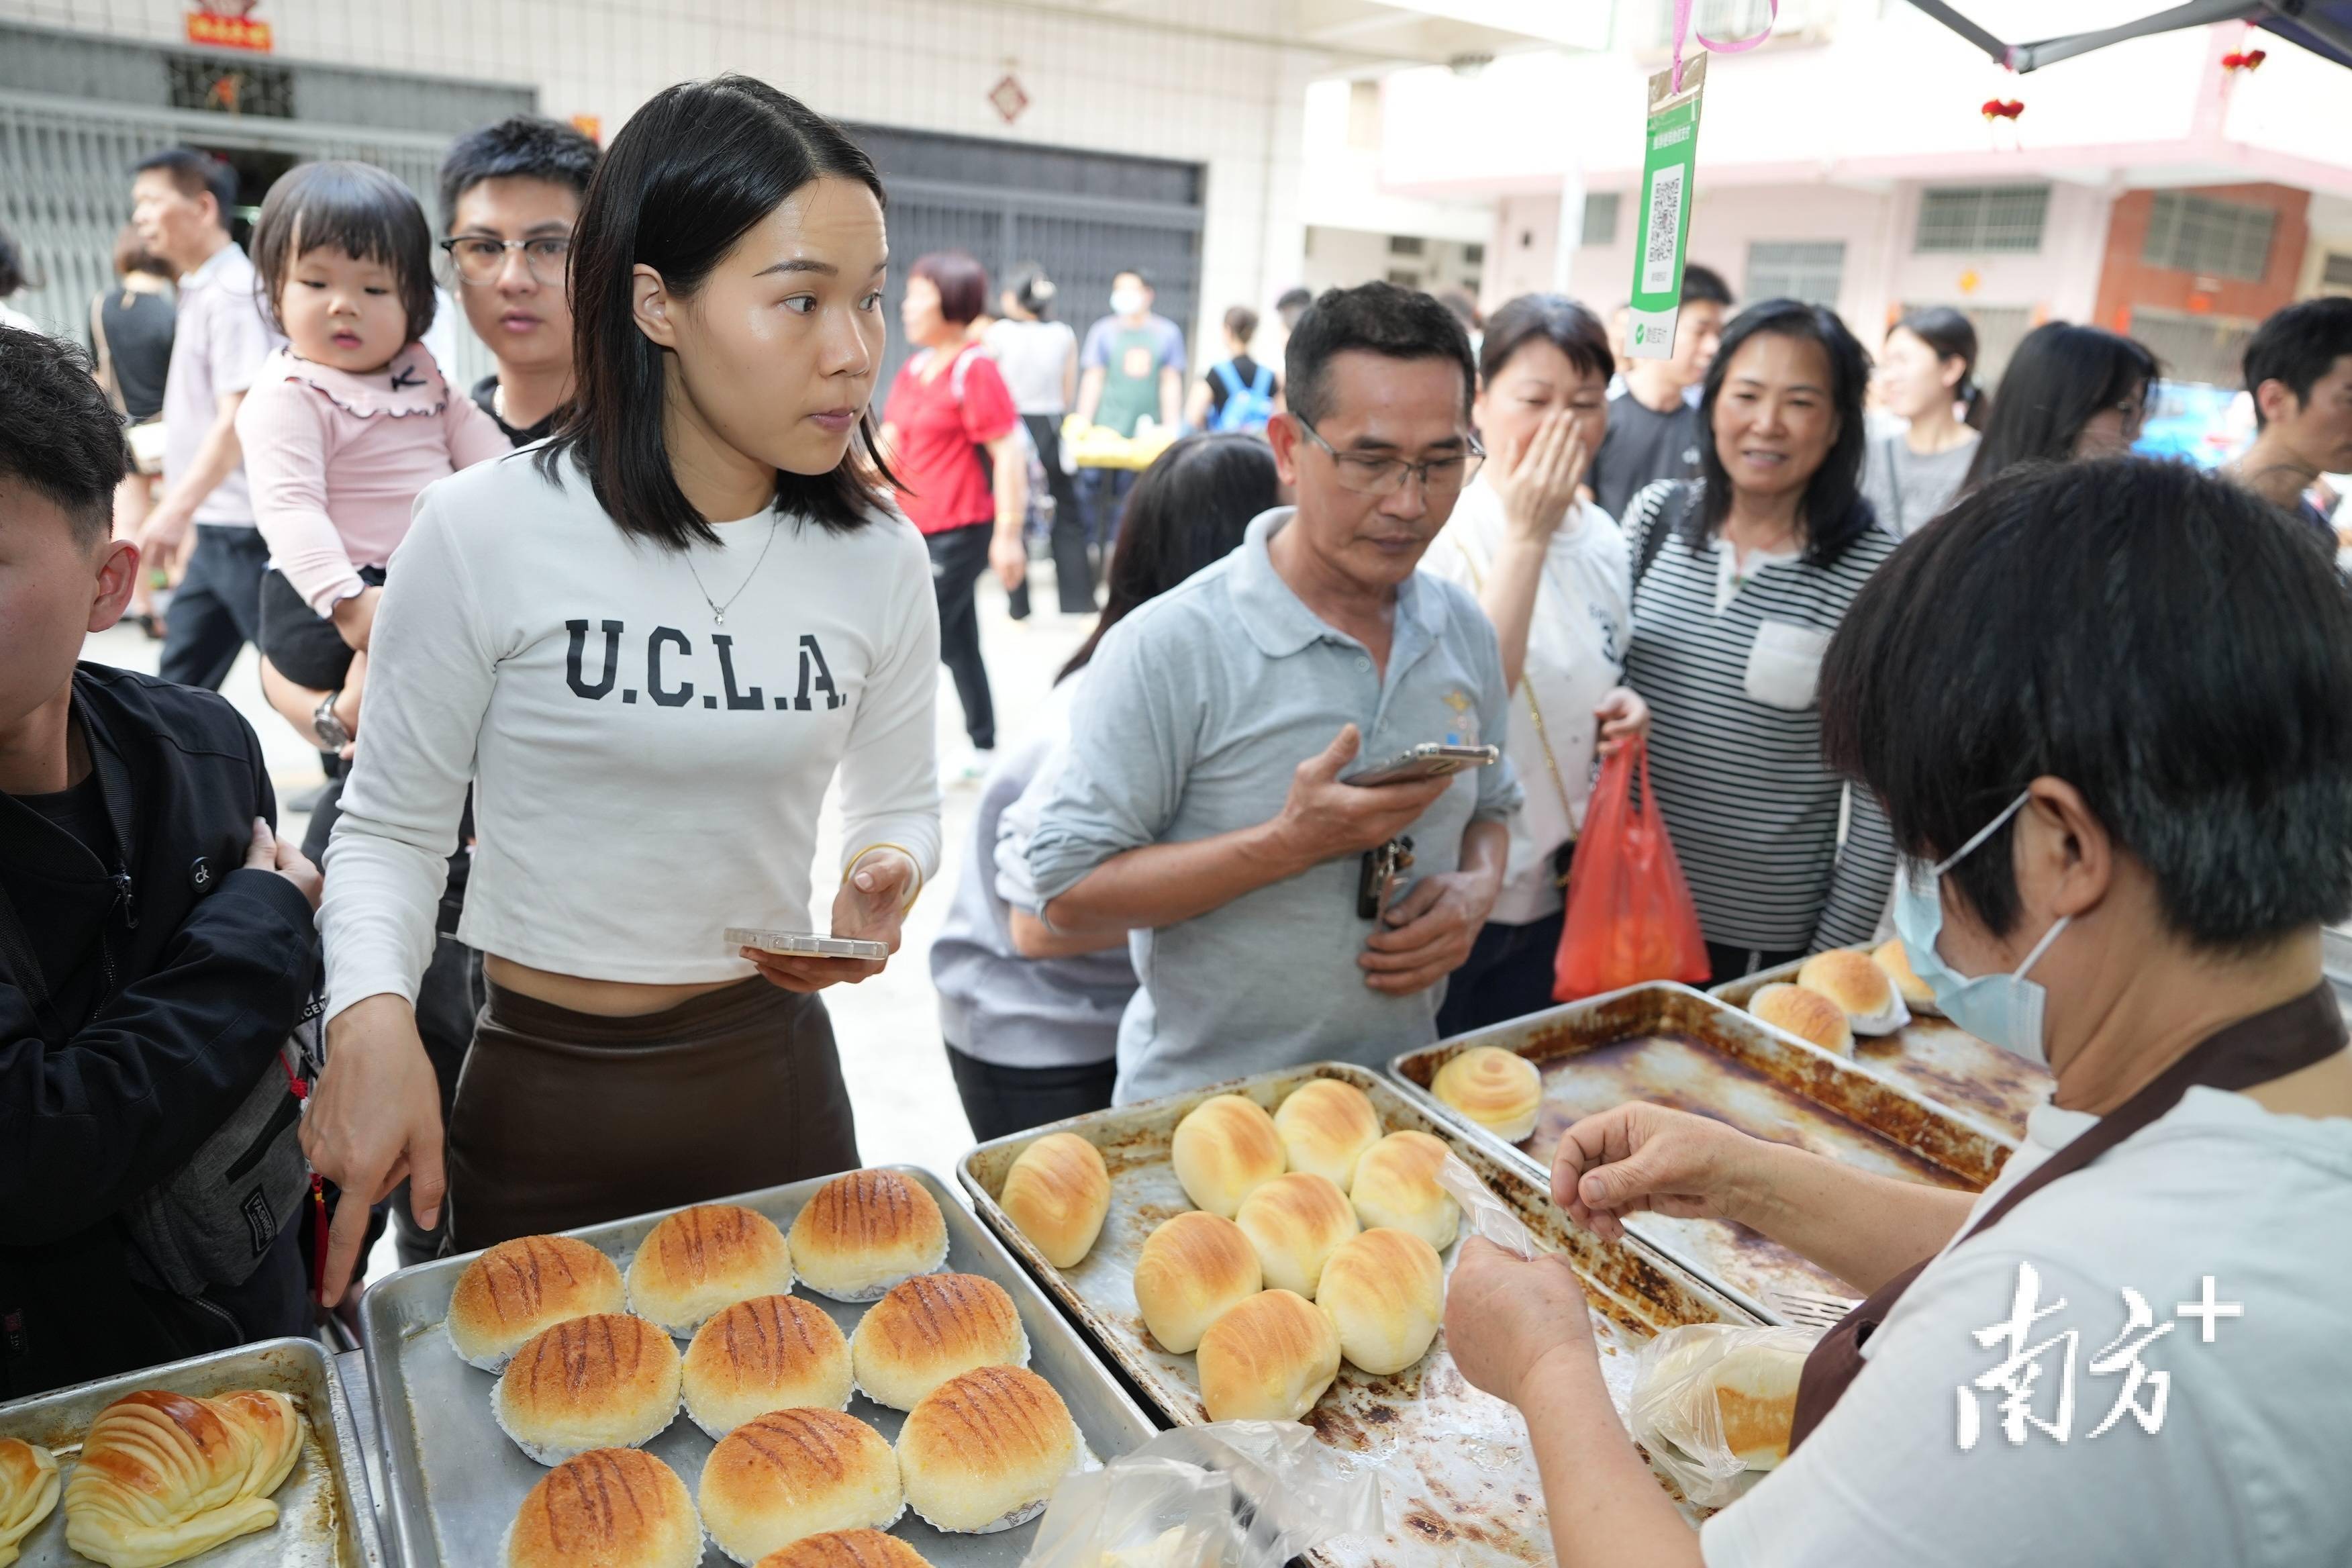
806	944
1430	761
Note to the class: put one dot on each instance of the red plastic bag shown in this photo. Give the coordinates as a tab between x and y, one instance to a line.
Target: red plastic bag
1630	915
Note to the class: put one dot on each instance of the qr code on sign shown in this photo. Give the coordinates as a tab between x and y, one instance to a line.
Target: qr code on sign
1666	224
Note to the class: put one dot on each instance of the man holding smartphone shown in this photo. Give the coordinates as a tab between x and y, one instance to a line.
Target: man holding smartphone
1205	806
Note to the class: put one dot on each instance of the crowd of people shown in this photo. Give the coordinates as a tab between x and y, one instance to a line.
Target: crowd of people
682	564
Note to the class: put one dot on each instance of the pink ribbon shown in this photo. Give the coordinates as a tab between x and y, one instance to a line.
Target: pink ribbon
1682	31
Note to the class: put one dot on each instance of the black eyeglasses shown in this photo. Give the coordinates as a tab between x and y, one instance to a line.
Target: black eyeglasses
1369	476
479	258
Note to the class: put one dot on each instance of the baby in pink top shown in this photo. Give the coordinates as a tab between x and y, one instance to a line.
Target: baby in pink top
342	427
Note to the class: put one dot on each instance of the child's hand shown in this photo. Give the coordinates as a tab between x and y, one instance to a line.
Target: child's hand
354	617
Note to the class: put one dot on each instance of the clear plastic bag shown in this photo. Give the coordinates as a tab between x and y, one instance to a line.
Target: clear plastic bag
1483	1213
1232	1494
1687	1380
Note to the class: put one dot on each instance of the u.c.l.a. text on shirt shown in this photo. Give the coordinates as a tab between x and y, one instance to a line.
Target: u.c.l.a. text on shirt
673	661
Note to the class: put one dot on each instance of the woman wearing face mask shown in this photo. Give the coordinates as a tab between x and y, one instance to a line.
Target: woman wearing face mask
2099	885
2069	392
1927	369
649	647
1551	573
1739	579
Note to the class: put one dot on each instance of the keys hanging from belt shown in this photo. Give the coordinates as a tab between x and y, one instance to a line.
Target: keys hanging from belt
1379	875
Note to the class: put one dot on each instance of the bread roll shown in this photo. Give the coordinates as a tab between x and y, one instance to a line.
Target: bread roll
703	1259
846	1549
1895	959
1224	1148
607	1382
1192	1269
1385	1293
1500	1090
1752	1380
608	1507
1269	1359
1396	1187
1294	1221
791	1474
1325	1126
930	1329
983	1452
28	1490
1808	1015
771	1352
1057	1193
1859	986
865	1232
164	1476
518	1287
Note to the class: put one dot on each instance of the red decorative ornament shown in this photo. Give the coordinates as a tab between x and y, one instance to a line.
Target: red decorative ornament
1996	108
2252	59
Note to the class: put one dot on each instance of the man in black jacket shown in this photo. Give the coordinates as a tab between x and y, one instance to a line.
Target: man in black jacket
156	940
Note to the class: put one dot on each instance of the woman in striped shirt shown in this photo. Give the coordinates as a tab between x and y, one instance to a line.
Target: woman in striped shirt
1740	578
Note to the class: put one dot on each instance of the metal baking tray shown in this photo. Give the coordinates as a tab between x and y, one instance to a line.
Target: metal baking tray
1458	1483
1933	1058
325	1518
456	1482
1672	1045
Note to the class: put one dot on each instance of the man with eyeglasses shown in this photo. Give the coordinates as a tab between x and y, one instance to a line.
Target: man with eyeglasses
1204	808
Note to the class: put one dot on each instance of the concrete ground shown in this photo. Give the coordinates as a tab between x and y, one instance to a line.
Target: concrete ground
887	1027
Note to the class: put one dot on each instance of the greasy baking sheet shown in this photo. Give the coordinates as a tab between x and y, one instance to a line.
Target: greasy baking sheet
1457	1481
1934	1058
456	1482
1669	1045
324	1516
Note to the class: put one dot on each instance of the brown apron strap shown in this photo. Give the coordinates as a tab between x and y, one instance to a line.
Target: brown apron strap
2251	1051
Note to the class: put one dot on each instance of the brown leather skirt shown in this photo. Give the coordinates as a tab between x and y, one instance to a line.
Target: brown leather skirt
567	1119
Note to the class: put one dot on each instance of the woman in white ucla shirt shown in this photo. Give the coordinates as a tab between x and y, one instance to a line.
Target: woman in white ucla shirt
648	646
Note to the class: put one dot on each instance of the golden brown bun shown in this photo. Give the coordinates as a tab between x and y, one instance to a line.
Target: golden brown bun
846	1549
607	1382
930	1329
1057	1193
983	1451
1860	987
1325	1126
521	1287
1385	1293
1269	1359
1396	1187
1895	959
1225	1148
609	1507
1294	1221
1808	1015
163	1476
702	1259
795	1473
1500	1090
865	1232
1192	1269
771	1353
28	1490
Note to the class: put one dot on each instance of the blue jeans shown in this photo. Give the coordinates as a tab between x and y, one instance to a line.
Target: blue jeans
1105	493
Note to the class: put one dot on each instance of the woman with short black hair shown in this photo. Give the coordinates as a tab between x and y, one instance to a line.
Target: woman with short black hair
1926	371
2069	392
650	647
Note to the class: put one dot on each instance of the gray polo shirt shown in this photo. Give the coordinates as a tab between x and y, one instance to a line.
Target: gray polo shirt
1197	709
217	347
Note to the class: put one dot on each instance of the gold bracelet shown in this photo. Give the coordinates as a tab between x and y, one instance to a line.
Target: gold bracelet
911	860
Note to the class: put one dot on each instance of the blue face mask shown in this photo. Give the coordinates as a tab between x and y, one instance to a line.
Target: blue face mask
2004	1010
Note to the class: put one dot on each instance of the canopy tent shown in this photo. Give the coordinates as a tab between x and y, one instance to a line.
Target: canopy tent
2322	26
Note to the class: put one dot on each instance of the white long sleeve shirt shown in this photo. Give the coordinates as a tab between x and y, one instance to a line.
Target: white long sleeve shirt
644	776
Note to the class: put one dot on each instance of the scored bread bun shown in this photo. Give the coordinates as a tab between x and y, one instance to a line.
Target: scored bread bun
703	1259
1808	1015
1223	1149
1192	1269
771	1352
608	1507
1385	1294
865	1232
930	1329
1500	1090
790	1474
845	1549
1057	1193
1895	959
1293	1222
1325	1126
1860	987
610	1381
1396	1187
982	1452
1269	1359
518	1287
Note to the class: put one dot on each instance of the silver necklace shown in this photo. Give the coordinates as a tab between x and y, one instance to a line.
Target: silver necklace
718	610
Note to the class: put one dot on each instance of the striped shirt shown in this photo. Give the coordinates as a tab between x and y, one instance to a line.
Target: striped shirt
1735	736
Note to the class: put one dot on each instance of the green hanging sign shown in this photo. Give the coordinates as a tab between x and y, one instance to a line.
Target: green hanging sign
1669	159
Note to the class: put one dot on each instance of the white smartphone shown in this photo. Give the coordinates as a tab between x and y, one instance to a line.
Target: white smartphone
1429	761
806	944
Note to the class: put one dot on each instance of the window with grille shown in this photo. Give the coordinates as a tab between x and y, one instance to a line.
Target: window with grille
1404	245
1981	217
1404	277
214	87
2336	271
1600	218
1805	269
2201	234
1472	255
2210	350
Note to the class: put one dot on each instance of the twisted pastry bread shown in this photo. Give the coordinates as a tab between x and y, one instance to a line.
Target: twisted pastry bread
28	1489
164	1476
